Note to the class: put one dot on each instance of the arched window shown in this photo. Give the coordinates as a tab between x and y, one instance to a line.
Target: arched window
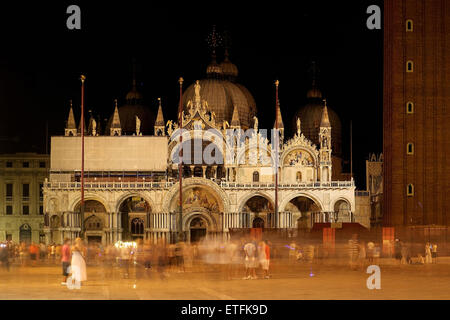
256	176
410	190
410	148
299	176
409	66
137	226
409	25
409	107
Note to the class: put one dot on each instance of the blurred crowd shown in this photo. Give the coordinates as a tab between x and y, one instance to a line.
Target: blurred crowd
246	258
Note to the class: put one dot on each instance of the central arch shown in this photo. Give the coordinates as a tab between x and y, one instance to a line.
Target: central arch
303	208
257	209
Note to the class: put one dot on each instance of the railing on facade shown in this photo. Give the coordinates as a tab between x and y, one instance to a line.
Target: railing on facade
9	198
360	193
168	184
260	185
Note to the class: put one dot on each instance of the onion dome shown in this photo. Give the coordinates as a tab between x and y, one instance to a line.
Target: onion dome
222	96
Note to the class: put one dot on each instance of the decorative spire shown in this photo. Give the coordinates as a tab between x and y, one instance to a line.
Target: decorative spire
71	126
279	117
325	121
71	119
159	117
235	122
116	128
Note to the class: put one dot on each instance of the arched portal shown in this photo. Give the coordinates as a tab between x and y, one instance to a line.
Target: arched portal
342	211
134	212
258	223
305	209
93	220
258	208
197	229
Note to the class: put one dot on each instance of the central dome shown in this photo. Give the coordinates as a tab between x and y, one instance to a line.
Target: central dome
222	96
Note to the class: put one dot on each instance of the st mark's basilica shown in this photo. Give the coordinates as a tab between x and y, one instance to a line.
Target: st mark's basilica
131	183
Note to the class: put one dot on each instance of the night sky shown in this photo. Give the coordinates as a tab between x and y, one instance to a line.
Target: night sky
41	62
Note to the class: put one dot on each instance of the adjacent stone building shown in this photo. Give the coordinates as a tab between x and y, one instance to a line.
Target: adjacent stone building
22	178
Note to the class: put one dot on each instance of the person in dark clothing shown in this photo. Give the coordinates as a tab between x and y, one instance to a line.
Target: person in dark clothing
4	256
398	250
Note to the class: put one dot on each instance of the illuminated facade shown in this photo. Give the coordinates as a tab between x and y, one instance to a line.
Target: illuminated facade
131	179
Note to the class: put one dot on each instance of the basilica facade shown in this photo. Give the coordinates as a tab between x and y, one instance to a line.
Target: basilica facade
229	167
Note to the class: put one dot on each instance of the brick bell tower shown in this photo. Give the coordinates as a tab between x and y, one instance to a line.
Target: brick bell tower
416	112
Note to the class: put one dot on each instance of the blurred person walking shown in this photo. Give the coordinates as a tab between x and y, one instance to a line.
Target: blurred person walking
398	250
161	258
34	252
264	258
293	248
65	260
353	247
362	255
58	252
4	256
428	256
434	252
250	260
52	252
42	252
78	262
179	256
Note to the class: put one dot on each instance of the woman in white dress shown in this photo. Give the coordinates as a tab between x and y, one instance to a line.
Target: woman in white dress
78	264
428	253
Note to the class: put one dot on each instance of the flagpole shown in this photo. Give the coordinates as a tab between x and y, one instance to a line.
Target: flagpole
277	140
180	155
82	156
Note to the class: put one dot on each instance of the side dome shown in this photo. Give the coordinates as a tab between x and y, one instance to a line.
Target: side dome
133	107
222	96
311	114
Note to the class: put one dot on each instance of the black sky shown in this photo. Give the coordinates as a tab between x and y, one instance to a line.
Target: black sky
41	61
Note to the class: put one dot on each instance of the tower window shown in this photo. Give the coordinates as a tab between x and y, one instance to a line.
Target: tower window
299	176
25	210
410	190
409	25
9	210
409	107
9	164
409	66
410	148
256	176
